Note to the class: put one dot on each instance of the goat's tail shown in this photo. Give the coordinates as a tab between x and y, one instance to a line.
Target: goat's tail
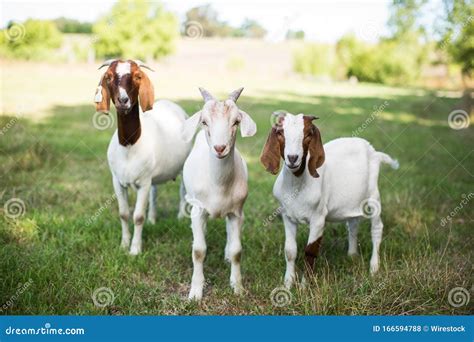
385	158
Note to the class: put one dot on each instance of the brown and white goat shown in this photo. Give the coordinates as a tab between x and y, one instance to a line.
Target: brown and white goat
147	148
336	181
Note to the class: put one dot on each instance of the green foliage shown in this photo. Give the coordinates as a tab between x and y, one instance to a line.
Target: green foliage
388	62
66	25
209	25
252	29
209	22
403	18
295	34
314	59
136	28
458	33
33	39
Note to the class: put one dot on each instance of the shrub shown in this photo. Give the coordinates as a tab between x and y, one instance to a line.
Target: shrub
314	59
137	29
34	39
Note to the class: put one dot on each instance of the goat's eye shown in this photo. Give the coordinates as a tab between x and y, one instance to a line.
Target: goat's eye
236	123
204	123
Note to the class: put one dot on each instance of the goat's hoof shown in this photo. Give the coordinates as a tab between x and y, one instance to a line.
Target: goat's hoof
152	220
125	244
352	254
135	250
288	283
238	289
374	268
195	295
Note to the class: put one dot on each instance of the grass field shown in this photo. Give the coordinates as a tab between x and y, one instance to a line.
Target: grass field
66	244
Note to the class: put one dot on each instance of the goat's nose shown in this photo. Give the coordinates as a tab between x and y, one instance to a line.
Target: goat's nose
292	158
219	148
123	99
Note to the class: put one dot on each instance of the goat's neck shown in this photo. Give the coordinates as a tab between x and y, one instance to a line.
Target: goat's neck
128	125
222	170
290	179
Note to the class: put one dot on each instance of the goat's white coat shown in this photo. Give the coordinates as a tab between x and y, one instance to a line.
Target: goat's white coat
157	157
347	179
216	187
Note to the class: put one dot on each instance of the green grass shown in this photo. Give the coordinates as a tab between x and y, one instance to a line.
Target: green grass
58	167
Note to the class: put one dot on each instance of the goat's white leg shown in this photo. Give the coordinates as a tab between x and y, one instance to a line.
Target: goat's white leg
152	205
234	250
352	230
139	218
376	232
291	250
182	201
311	251
124	211
198	225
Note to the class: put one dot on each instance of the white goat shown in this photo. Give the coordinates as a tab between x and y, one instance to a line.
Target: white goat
147	148
215	176
337	182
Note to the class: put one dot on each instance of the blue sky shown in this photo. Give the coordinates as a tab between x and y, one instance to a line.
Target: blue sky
322	20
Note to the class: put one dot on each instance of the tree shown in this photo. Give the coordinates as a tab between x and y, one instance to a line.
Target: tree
403	19
66	25
295	35
252	29
209	24
458	33
136	29
458	39
33	39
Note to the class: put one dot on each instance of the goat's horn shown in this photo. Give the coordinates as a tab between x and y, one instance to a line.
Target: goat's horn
142	65
107	63
234	96
206	95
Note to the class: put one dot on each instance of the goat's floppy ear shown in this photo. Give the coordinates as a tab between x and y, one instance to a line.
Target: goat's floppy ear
316	153
248	127
190	126
102	97
270	156
146	93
